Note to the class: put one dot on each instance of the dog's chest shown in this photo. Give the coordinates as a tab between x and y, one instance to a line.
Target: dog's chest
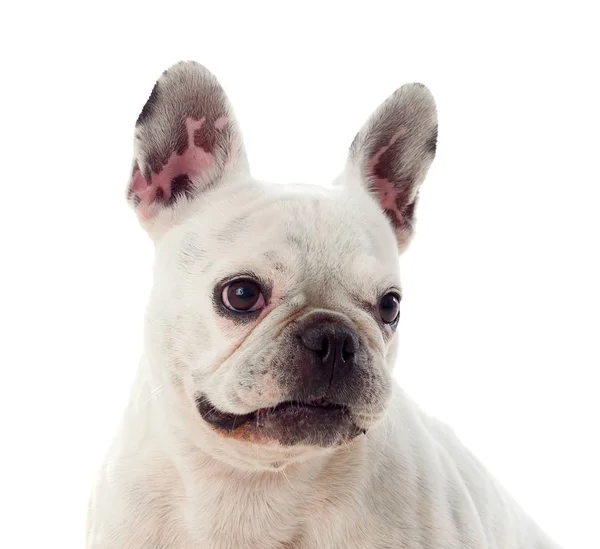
234	515
238	516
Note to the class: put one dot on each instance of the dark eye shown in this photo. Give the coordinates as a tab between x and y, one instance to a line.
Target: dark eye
243	296
389	308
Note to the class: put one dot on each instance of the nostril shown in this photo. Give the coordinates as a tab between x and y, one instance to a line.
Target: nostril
348	349
325	347
317	341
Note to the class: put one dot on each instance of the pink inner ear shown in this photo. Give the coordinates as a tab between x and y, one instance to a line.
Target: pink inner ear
386	194
386	190
191	163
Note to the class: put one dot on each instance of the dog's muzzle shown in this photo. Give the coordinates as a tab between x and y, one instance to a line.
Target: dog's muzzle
321	366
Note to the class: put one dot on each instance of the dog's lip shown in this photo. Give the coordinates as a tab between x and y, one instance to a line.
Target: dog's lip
313	422
322	402
229	421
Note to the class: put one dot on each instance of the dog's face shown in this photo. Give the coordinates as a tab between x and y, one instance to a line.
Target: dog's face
275	308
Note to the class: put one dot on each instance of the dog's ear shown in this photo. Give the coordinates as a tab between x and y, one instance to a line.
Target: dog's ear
392	152
186	141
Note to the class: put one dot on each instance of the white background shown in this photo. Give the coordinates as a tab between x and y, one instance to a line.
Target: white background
500	328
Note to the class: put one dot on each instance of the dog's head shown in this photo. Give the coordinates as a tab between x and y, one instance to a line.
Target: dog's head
275	308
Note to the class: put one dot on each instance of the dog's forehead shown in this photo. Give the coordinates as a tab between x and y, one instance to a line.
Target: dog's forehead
313	221
317	234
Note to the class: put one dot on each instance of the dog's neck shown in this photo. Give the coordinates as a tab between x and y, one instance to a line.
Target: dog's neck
260	505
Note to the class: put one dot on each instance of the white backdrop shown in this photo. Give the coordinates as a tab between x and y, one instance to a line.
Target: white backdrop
500	326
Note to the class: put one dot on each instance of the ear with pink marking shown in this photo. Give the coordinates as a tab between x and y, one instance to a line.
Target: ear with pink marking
392	153
186	141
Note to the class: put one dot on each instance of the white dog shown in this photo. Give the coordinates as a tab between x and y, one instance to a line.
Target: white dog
264	415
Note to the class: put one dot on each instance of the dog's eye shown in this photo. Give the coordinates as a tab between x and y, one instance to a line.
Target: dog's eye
243	296
389	308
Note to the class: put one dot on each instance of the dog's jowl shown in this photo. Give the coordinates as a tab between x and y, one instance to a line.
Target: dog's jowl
264	414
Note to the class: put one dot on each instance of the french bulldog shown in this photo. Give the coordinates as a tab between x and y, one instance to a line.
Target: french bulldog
264	414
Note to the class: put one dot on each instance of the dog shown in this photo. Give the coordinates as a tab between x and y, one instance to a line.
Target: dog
264	414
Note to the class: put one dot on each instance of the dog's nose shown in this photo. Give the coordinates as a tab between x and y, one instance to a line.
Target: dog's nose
335	344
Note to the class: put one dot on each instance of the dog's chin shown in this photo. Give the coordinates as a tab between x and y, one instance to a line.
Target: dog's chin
318	423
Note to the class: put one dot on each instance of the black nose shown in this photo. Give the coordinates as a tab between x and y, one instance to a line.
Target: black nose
335	344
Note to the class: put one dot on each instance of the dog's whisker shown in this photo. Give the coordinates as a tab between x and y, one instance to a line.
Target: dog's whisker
285	476
155	392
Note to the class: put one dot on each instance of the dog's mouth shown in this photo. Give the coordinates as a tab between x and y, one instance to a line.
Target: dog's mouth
317	422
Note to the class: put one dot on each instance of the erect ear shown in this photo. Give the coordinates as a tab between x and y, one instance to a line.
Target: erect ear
186	141
392	152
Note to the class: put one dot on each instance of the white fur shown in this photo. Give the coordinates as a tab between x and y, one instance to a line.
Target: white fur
171	481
